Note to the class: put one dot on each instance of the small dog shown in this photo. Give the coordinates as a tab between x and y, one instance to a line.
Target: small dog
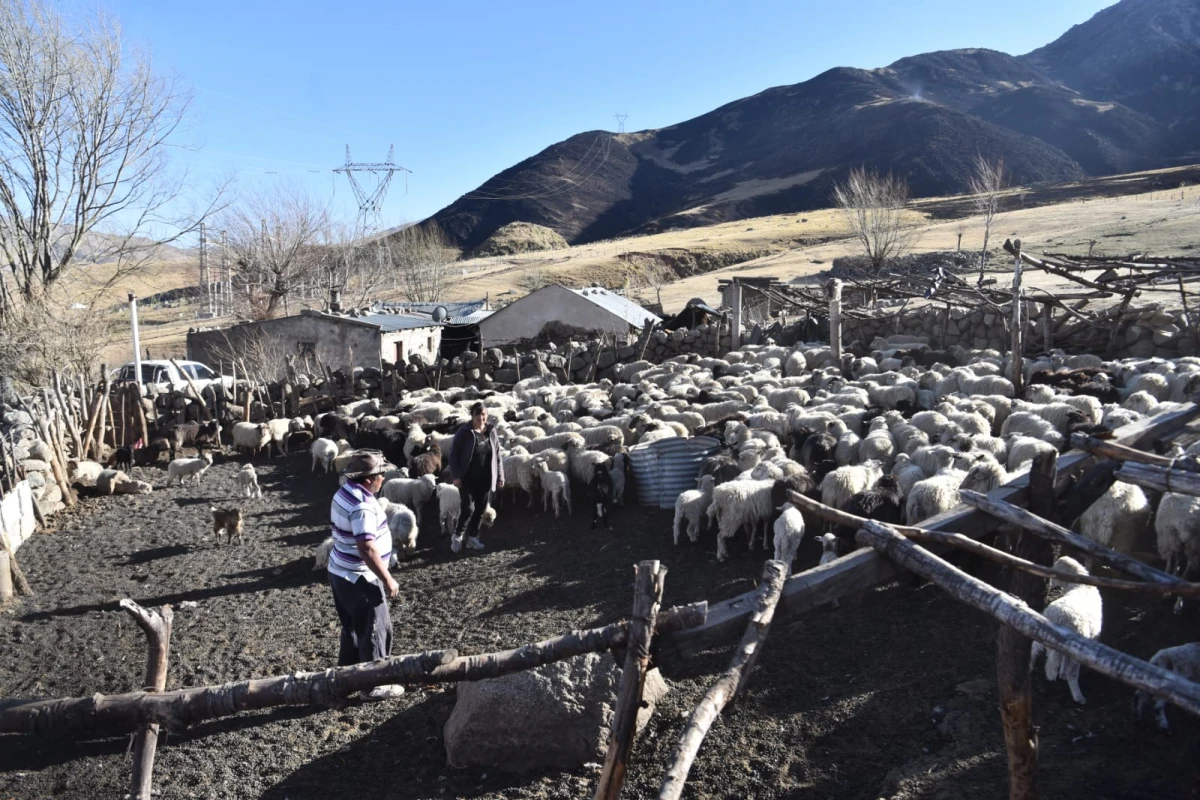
600	492
228	520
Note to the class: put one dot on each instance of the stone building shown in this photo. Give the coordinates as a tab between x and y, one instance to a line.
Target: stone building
567	312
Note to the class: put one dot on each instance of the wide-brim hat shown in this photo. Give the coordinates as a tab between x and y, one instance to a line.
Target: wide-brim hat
365	463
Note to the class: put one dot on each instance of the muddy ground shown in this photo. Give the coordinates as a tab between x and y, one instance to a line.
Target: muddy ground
891	696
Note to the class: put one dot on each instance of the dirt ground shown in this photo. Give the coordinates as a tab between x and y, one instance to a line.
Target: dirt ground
890	696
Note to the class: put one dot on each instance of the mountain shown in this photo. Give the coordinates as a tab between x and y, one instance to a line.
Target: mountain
1118	93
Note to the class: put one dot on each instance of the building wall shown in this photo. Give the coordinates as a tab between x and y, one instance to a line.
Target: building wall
525	318
422	341
325	338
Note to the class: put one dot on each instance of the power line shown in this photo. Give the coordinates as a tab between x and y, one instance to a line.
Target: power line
370	202
620	118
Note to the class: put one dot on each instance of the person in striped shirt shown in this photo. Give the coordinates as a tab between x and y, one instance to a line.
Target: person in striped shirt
358	575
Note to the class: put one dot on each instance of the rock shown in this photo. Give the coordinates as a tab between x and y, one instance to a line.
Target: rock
554	717
556	362
506	376
627	352
1134	332
606	359
35	465
1165	334
416	380
1143	348
952	329
495	356
453	380
36	480
16	417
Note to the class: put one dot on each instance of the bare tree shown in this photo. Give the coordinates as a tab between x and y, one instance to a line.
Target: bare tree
275	236
355	266
875	205
50	332
259	356
84	171
959	229
987	184
421	258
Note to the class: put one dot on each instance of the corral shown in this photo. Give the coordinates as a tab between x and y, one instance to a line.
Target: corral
890	691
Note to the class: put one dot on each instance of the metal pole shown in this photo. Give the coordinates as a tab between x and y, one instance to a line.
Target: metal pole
735	318
137	347
1018	339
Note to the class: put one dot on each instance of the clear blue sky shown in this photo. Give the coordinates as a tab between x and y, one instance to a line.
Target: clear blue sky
466	89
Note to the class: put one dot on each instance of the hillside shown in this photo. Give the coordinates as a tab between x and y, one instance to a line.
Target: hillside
1115	94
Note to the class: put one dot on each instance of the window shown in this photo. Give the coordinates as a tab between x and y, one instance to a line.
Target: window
429	344
200	371
399	352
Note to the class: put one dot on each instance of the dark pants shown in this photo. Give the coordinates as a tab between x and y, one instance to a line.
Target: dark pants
475	498
366	623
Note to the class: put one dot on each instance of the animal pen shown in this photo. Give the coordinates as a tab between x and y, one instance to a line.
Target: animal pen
76	418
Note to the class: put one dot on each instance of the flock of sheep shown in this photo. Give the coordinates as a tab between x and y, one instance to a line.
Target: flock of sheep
892	436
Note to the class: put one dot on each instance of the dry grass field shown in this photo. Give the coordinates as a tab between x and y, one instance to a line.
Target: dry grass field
793	247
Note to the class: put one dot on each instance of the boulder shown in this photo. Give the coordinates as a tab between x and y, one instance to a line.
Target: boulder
35	465
554	717
16	417
506	376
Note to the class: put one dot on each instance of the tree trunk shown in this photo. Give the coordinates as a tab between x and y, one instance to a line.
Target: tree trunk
648	589
157	627
728	685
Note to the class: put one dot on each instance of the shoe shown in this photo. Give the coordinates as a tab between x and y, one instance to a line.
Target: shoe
386	692
474	543
455	544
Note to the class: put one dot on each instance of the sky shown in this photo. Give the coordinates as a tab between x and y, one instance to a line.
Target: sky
466	89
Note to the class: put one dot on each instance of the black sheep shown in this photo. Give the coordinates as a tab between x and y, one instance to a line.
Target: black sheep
600	492
815	449
884	503
122	458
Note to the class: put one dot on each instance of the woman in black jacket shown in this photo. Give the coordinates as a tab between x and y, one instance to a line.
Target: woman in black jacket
475	467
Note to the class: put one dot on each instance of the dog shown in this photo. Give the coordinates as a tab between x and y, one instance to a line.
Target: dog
228	520
122	458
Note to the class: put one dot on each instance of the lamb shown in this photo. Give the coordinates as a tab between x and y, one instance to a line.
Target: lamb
600	494
412	492
1184	661
739	504
250	436
449	507
519	467
403	523
829	547
690	505
844	482
1117	518
789	532
933	495
1023	449
182	468
321	557
620	475
324	451
556	487
201	435
247	481
108	480
1080	610
84	473
145	456
907	473
1141	402
427	460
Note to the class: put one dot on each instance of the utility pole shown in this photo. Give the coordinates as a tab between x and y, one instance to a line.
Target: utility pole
226	277
620	118
205	274
370	203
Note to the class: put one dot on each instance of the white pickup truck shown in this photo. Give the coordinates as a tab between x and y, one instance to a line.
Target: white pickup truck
167	376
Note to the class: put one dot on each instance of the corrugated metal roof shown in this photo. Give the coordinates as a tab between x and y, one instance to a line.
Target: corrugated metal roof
626	309
397	322
664	469
470	319
459	308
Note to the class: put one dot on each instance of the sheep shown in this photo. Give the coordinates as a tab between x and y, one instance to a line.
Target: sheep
581	463
1142	402
1184	661
250	436
1150	383
84	473
247	481
620	474
829	548
600	494
691	505
738	504
1030	424
323	451
1023	449
427	460
1117	518
556	487
201	435
985	475
934	458
558	441
933	495
878	444
1177	530
278	430
108	479
181	468
412	492
449	507
844	482
404	525
1078	609
789	532
907	473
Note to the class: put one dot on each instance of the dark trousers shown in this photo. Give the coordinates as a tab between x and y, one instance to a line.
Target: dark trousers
475	498
366	624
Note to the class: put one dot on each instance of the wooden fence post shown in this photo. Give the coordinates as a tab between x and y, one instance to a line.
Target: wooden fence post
1048	327
648	589
1013	648
1017	346
157	627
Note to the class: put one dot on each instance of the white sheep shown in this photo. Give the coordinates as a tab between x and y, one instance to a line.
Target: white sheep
844	482
1177	530
84	473
985	475
555	487
324	451
691	505
278	430
449	507
108	479
247	481
1030	424
182	468
251	436
933	495
1023	449
789	532
1184	661
402	522
878	444
1078	609
412	492
740	504
1117	519
619	463
907	474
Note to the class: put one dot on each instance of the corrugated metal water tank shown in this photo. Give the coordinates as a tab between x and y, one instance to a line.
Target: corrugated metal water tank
664	469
